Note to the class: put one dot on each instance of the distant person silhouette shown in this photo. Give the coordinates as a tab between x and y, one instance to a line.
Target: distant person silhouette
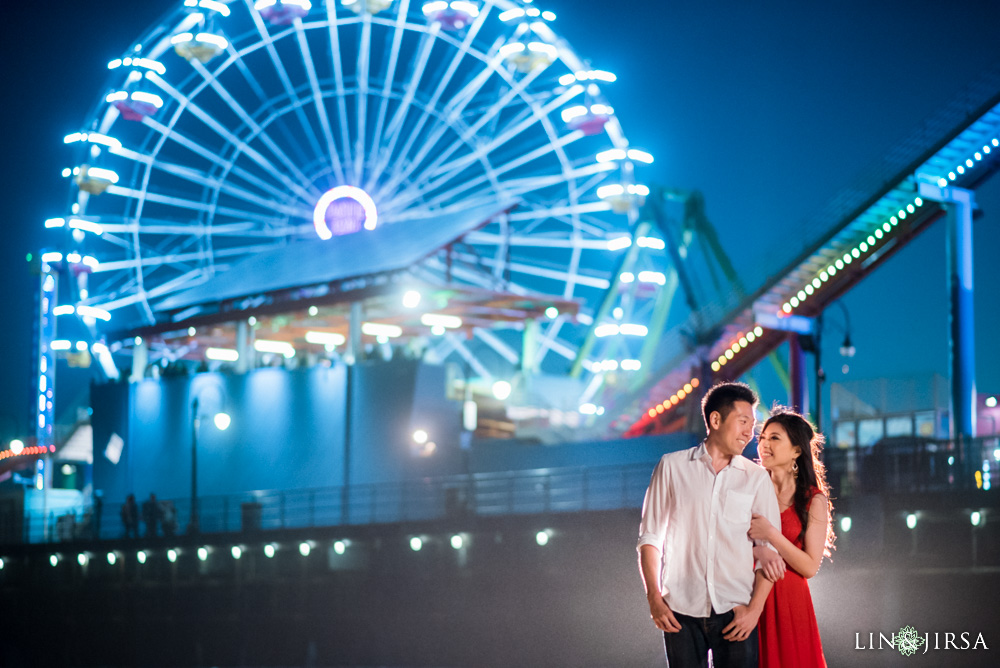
130	517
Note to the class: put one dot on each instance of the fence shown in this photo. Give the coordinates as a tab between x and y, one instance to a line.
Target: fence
894	465
483	494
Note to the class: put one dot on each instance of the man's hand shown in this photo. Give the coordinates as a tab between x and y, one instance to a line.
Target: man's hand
662	615
770	562
743	624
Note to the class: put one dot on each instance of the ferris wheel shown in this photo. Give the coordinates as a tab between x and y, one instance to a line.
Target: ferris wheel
232	128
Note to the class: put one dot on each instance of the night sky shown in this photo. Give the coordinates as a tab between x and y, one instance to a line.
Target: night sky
768	108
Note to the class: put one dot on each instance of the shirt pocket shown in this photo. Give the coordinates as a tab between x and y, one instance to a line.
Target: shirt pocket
738	507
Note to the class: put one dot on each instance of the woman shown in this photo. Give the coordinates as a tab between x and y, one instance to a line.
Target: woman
789	449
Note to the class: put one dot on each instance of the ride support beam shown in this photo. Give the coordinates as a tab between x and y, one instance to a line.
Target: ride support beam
959	204
140	359
798	396
657	323
355	351
244	347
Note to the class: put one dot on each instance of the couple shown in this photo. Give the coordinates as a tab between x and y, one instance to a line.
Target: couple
725	543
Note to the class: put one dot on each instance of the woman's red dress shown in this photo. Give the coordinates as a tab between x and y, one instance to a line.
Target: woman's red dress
789	636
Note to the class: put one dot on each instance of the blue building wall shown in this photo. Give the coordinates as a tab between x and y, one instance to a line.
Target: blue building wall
289	431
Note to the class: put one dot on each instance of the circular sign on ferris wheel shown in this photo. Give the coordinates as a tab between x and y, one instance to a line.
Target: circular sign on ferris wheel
343	210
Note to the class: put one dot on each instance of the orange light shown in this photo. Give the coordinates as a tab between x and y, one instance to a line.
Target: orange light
652	412
695	382
688	387
659	408
681	394
674	400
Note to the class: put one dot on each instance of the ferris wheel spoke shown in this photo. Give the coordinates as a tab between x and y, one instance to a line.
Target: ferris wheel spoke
574	267
207	180
256	130
210	156
184	281
524	186
494	342
448	195
471	359
396	125
338	74
364	61
558	346
268	41
398	31
114	240
441	351
543	213
172	228
481	279
508	134
493	173
262	97
318	102
450	119
503	247
242	146
467	133
445	80
545	341
191	205
493	239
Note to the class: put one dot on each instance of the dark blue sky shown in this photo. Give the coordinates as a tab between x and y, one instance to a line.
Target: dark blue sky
767	107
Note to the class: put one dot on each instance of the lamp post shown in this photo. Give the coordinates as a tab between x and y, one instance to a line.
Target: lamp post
222	421
846	350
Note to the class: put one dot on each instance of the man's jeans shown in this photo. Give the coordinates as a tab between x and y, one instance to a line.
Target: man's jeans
689	647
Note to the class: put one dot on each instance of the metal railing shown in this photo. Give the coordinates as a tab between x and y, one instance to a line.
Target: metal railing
914	464
895	465
559	490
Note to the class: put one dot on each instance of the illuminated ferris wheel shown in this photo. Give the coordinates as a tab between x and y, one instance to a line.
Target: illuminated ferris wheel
233	128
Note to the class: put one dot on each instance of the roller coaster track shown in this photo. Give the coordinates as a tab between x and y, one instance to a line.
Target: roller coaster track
864	225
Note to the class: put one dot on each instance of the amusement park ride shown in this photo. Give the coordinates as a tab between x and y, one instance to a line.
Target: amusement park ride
297	184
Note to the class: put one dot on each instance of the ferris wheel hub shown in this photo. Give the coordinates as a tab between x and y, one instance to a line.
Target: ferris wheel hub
343	210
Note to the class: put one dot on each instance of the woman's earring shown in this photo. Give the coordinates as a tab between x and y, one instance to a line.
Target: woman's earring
795	467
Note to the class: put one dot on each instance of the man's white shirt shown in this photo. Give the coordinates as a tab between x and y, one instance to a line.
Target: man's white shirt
699	521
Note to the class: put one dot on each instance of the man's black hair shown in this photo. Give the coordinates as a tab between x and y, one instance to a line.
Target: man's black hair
722	397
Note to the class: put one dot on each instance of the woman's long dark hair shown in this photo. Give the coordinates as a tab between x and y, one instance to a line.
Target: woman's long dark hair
811	471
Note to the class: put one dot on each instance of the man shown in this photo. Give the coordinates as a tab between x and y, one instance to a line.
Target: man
695	557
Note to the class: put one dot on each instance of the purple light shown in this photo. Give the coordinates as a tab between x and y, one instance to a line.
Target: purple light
343	210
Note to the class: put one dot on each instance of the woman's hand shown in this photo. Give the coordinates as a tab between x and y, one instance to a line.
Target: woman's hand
770	562
761	529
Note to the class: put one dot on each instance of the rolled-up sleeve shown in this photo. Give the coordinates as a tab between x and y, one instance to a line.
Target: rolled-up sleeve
765	503
656	508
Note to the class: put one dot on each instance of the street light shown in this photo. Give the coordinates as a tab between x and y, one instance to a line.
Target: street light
846	350
222	421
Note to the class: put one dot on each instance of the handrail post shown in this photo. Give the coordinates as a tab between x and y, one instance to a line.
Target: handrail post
510	492
547	486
